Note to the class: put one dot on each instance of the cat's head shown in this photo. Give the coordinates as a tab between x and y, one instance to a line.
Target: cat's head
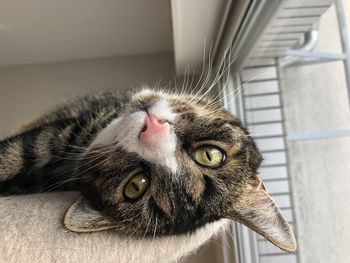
171	164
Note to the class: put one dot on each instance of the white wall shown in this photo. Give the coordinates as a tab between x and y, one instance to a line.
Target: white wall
27	91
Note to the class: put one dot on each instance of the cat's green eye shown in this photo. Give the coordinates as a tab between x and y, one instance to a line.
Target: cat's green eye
137	186
208	156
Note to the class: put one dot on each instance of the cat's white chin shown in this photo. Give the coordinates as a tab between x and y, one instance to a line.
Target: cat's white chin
125	131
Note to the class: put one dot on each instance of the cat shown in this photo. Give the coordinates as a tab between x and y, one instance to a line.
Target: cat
149	164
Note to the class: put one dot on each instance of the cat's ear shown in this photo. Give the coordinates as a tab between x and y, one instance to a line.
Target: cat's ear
82	218
258	211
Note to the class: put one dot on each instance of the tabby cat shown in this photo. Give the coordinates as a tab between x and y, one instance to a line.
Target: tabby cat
152	163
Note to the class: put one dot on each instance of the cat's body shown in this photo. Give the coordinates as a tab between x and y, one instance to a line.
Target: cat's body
152	164
46	150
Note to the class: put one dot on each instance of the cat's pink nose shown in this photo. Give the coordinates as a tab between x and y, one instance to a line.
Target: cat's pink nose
154	126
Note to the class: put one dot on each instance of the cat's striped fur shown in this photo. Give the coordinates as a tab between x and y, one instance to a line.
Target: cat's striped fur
46	150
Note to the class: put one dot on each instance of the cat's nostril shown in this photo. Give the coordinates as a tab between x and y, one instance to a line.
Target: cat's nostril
144	128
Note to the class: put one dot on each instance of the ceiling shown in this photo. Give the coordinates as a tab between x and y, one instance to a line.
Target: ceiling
40	31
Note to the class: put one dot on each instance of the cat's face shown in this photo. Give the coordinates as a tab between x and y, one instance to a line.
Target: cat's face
171	164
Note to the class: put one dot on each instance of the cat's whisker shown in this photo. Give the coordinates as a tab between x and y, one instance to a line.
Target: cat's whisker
226	242
217	76
189	88
172	84
146	230
154	234
187	78
203	69
74	156
130	219
91	168
155	228
207	77
225	71
182	82
61	183
233	239
148	223
214	81
135	231
243	86
219	100
214	100
97	155
159	80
